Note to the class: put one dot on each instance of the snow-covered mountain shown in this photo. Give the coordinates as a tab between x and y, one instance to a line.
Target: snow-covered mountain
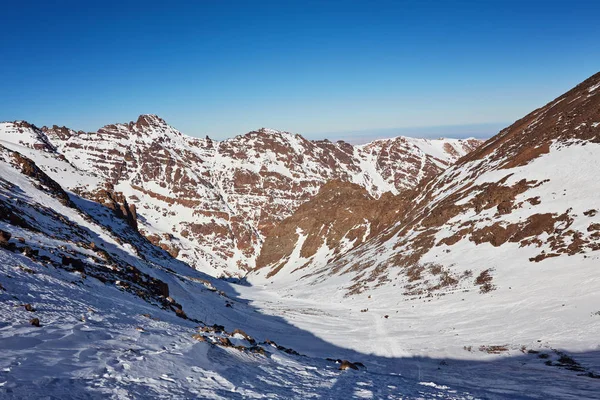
90	309
479	283
529	191
211	203
502	249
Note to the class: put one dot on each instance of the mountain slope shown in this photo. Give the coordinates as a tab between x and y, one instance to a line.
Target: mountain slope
341	216
211	203
498	254
91	309
532	185
480	283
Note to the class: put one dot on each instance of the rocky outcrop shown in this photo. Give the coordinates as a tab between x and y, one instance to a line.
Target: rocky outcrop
44	182
117	202
4	238
340	217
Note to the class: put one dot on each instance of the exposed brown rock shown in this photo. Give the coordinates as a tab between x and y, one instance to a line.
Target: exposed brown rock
494	349
117	202
245	335
45	183
76	263
345	364
448	201
199	337
7	214
4	238
340	210
484	281
593	227
244	203
180	313
162	288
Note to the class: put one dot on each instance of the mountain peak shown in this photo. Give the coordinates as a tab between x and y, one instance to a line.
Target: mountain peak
150	121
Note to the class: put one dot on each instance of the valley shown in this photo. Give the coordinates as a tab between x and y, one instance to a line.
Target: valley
137	262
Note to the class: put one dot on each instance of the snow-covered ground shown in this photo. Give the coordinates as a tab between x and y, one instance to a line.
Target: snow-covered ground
521	214
95	342
442	341
103	338
536	313
486	286
97	339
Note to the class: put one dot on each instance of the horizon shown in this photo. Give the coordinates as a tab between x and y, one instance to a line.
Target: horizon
338	70
355	137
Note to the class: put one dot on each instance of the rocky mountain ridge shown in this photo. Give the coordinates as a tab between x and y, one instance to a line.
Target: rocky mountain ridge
211	203
526	195
91	309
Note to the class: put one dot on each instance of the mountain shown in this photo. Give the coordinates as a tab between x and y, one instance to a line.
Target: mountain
529	189
211	203
479	282
341	216
91	309
500	249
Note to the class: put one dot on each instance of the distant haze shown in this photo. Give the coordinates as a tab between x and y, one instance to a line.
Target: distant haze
479	131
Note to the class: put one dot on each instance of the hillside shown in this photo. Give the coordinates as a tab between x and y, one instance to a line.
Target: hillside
498	254
531	187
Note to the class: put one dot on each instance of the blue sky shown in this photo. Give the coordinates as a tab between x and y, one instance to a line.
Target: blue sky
320	68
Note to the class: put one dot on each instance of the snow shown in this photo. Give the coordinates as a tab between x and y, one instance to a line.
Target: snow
96	342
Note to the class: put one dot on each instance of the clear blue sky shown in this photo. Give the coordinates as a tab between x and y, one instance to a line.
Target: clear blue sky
314	67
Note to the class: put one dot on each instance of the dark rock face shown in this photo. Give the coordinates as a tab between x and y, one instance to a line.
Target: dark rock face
345	364
4	238
29	168
85	239
117	202
340	211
